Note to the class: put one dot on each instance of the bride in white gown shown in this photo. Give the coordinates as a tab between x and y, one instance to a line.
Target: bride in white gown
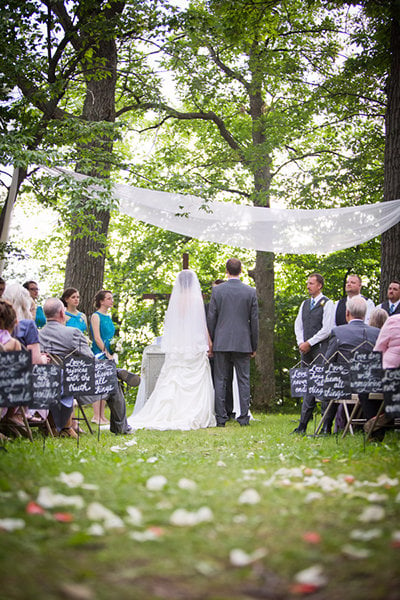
183	397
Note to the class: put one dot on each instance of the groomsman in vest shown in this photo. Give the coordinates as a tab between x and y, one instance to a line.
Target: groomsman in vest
353	289
312	328
392	304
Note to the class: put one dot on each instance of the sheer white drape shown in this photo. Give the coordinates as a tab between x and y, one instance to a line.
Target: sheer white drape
270	229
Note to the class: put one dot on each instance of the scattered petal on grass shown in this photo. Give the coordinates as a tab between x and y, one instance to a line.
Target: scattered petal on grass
72	480
364	535
187	484
34	509
131	442
239	519
312	537
134	515
152	459
221	463
353	552
312	576
397	499
144	536
377	497
164	505
349	479
303	589
22	495
372	513
240	558
326	460
185	518
312	496
96	529
281	457
98	512
117	449
63	517
12	524
48	499
156	483
249	496
396	539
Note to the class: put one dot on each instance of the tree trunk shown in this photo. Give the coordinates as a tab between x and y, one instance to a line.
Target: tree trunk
263	274
86	258
390	263
264	392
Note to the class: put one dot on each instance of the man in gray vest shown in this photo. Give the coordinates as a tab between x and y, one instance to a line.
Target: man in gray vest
312	328
392	304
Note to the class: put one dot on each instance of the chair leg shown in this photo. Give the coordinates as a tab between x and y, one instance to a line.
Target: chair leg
80	407
349	420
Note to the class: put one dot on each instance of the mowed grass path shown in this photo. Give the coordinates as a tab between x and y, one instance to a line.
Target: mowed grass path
287	503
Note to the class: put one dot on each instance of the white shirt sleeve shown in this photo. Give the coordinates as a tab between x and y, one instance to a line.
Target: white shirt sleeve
327	324
370	308
298	326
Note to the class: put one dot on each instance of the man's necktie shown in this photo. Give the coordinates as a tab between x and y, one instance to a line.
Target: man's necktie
391	309
312	303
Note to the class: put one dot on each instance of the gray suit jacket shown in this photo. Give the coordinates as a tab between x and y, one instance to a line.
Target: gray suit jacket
232	317
346	338
56	338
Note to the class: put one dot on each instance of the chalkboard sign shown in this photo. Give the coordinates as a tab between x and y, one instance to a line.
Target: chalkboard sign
337	382
105	377
366	372
298	381
315	382
78	376
46	384
391	380
15	378
392	403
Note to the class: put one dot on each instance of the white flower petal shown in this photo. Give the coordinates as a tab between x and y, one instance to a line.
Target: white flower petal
96	529
312	576
72	480
152	459
364	535
240	558
156	483
312	496
134	515
117	448
396	536
354	552
144	536
221	463
184	518
48	499
12	524
187	484
372	513
249	496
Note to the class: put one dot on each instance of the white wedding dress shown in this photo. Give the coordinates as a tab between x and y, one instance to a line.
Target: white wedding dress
183	397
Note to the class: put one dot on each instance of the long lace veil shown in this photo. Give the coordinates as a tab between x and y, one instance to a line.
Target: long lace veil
185	329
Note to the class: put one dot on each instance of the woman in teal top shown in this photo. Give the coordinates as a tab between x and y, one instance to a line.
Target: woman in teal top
74	318
102	330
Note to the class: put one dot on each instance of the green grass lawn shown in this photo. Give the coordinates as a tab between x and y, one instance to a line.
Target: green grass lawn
308	497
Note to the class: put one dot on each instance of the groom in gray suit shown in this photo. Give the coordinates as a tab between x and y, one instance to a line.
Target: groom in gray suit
232	322
59	340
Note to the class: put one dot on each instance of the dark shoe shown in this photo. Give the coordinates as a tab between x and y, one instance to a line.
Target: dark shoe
220	424
326	430
244	424
299	430
130	379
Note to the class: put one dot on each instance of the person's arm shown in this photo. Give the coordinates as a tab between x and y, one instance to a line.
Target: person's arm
95	322
298	326
37	357
212	316
370	308
254	325
382	342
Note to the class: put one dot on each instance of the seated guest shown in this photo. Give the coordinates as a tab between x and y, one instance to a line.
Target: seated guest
33	290
388	343
25	331
59	340
345	339
353	289
74	318
378	317
2	286
8	320
392	304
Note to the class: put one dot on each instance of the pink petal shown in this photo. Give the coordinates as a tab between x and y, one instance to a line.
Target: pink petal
34	509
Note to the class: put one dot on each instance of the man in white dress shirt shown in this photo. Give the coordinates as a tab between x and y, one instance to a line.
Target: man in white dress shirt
353	289
312	328
392	304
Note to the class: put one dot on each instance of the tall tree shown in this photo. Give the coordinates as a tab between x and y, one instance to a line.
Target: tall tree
247	74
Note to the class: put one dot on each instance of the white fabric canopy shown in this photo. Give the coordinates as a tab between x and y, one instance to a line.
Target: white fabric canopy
276	230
